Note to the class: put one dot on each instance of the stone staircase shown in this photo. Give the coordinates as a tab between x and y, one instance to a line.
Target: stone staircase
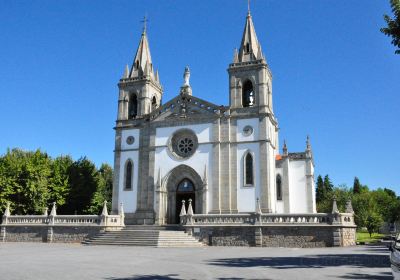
145	235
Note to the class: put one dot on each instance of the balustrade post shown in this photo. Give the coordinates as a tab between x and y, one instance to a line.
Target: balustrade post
258	219
182	214
52	216
6	214
190	212
122	214
104	214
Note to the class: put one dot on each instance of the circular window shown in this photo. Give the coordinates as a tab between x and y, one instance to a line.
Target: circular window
247	130
183	143
130	140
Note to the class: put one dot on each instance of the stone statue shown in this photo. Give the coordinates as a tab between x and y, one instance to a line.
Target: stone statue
186	76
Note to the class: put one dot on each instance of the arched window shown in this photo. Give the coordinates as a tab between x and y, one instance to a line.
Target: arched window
128	175
247	48
248	94
248	170
154	103
278	187
185	186
133	106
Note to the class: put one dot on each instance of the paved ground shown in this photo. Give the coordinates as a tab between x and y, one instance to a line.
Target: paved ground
63	261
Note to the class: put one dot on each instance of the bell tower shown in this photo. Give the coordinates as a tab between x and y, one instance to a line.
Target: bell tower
250	79
140	90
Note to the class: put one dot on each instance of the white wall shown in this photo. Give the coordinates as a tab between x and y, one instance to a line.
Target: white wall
254	123
201	159
203	132
247	196
297	186
126	134
128	197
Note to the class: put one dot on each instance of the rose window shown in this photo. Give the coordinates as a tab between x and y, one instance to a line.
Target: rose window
183	143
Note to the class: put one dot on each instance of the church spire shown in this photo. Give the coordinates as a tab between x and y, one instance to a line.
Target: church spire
250	48
142	57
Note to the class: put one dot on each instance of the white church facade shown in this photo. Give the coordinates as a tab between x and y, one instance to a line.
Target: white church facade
223	158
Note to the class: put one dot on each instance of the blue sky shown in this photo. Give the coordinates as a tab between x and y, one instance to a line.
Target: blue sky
335	76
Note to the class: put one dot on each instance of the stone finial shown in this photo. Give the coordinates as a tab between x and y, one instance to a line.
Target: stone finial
205	179
53	210
183	209
284	149
159	179
7	212
335	209
186	76
46	211
126	72
105	211
258	206
190	208
157	76
349	206
235	56
308	147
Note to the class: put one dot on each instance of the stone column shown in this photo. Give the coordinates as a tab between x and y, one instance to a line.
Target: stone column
117	171
225	184
215	168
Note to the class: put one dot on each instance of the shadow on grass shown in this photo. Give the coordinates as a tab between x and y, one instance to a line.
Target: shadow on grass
312	261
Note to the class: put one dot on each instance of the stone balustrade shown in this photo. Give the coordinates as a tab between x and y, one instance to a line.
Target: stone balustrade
53	219
58	228
272	229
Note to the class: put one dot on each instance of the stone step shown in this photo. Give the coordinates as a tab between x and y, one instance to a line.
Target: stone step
144	235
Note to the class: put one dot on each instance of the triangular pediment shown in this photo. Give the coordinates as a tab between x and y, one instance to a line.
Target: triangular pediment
186	106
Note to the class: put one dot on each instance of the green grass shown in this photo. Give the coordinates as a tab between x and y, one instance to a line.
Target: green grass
364	237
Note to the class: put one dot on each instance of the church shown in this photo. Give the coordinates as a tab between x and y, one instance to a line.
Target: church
223	159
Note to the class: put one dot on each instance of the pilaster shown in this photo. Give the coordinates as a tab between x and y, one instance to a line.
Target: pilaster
215	168
117	171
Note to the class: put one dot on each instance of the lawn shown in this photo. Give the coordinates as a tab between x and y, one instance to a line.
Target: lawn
364	237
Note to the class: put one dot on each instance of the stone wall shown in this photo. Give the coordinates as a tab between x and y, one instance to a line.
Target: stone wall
25	233
348	236
297	237
274	236
62	234
68	234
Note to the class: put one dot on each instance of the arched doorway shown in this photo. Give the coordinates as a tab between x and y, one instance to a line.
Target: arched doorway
184	191
183	183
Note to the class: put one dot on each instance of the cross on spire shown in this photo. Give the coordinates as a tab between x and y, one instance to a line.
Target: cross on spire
145	20
248	6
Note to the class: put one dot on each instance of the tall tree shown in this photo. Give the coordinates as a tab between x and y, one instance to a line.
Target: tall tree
393	25
82	180
328	184
59	186
356	185
103	191
320	192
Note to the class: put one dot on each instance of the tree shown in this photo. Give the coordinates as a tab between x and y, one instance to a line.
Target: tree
59	186
328	184
82	181
320	191
388	204
103	192
393	25
373	223
356	185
